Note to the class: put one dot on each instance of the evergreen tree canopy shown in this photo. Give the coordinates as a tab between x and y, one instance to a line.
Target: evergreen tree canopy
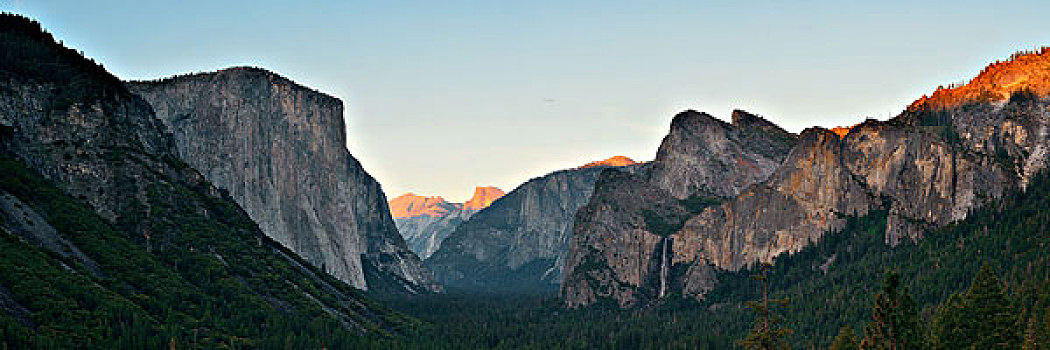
768	332
847	340
984	318
895	323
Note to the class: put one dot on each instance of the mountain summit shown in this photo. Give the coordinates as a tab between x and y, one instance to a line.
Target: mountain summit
279	149
411	205
1023	71
425	222
942	158
483	197
611	161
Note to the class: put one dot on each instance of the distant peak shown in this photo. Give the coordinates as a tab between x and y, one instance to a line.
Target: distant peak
613	161
410	205
483	197
1024	71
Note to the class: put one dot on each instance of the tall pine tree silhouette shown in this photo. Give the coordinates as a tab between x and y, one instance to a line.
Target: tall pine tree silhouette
768	333
895	322
983	318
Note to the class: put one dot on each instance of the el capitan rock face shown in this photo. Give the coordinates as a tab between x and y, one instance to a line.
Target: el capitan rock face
91	176
425	222
943	157
520	241
279	150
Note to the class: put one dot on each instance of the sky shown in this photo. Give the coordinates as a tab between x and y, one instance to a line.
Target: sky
443	96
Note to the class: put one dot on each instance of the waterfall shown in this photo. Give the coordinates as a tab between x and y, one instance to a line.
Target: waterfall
665	259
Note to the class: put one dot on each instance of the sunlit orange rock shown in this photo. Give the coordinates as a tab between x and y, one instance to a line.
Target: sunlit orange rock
410	204
1028	70
612	161
483	196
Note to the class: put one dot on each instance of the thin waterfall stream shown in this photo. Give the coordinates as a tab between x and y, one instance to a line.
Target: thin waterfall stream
664	261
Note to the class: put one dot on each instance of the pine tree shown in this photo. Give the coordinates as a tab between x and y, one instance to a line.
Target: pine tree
895	323
950	330
847	340
768	332
984	318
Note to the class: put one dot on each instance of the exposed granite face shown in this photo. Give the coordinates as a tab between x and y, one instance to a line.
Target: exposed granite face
425	233
279	149
930	166
621	242
701	161
810	193
704	155
425	222
110	152
520	241
78	146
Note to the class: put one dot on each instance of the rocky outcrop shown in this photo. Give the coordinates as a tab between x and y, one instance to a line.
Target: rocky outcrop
425	222
621	243
702	161
482	198
519	242
704	155
279	149
940	159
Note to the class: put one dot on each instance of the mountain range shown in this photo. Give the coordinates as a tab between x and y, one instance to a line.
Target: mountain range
945	156
223	210
519	242
425	222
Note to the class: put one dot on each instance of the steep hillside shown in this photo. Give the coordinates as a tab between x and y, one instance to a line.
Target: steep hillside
279	149
110	241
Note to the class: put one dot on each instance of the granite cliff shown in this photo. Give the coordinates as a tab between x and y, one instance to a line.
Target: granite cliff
425	222
519	242
622	239
109	240
943	157
279	149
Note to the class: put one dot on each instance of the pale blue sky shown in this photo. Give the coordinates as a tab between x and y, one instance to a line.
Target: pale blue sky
442	96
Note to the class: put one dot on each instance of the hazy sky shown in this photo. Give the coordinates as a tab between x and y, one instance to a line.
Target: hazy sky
442	96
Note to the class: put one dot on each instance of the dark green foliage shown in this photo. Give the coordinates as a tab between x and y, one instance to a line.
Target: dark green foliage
29	52
698	202
768	332
895	322
983	318
847	340
217	283
664	222
1031	335
831	285
489	321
